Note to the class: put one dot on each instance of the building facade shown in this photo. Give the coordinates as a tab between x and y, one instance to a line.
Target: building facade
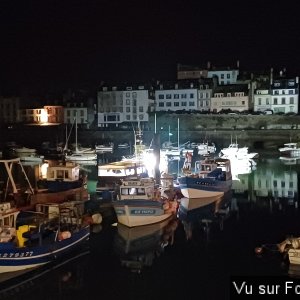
177	96
129	105
10	110
234	97
282	96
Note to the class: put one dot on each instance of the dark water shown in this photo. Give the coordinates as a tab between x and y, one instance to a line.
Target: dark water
188	259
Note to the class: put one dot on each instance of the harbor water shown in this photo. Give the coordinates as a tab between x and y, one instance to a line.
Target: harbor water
192	257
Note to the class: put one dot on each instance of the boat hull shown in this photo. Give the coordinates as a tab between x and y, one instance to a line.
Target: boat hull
56	197
138	213
14	259
209	203
82	158
203	187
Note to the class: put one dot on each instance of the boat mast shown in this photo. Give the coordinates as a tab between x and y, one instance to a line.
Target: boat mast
76	145
68	135
8	164
178	146
178	134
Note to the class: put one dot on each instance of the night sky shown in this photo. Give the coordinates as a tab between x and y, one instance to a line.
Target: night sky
50	45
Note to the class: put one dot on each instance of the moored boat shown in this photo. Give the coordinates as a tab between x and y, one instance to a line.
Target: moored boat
80	155
61	182
206	148
104	148
42	236
140	203
34	158
211	178
111	174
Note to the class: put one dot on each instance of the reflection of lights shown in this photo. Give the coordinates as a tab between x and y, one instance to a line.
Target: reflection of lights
241	166
44	168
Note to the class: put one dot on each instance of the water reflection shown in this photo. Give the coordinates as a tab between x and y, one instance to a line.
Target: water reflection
272	182
63	276
210	213
138	247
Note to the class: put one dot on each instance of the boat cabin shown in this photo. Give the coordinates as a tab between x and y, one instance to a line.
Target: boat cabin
68	171
111	174
137	188
217	168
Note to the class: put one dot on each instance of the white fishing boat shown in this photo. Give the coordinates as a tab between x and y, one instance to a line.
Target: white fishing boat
206	148
105	148
24	150
34	158
111	174
235	151
140	203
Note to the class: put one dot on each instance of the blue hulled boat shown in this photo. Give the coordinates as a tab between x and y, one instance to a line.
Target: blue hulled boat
31	239
211	178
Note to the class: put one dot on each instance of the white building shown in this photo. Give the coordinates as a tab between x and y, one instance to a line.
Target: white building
179	96
224	75
129	105
281	97
204	97
262	99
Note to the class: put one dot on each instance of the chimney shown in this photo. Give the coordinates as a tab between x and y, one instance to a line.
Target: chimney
297	79
208	65
238	64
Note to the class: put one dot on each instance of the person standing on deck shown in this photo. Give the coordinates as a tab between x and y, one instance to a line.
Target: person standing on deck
188	161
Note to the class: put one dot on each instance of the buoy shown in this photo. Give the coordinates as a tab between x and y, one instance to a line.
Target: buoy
88	220
97	218
64	235
258	250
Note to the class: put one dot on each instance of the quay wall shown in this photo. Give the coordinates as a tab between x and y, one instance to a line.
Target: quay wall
255	131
